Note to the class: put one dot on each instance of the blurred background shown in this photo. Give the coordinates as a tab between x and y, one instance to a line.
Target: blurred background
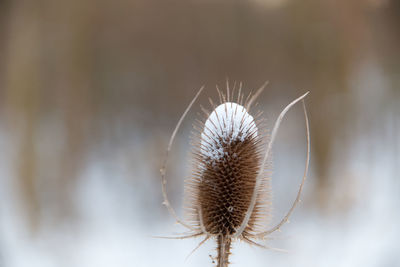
90	91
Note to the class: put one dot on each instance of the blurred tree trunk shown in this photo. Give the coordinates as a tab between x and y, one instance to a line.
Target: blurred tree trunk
329	37
23	94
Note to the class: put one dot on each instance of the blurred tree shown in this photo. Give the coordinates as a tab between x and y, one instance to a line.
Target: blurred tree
23	95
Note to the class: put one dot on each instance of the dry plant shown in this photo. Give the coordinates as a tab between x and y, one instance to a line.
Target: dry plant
227	196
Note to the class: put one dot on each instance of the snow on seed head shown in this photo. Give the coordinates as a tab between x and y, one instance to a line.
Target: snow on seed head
227	123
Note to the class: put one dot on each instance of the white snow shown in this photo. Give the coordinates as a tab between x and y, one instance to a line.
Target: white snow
118	214
229	121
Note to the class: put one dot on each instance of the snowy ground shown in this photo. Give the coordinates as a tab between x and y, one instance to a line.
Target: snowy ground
119	216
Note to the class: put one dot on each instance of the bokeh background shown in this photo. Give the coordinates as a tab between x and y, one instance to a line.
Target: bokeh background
90	91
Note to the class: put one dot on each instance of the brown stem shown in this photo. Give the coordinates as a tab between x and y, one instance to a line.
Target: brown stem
224	246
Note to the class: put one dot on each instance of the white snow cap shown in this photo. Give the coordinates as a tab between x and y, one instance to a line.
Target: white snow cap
229	122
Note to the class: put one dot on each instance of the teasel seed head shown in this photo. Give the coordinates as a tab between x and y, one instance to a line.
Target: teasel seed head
227	195
227	152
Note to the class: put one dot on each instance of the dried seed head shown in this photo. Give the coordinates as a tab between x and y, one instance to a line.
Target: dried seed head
227	161
227	197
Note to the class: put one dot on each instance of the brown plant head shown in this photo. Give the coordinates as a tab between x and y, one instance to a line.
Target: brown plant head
228	146
227	195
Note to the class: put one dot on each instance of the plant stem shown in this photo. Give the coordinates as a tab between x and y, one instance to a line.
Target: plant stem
224	246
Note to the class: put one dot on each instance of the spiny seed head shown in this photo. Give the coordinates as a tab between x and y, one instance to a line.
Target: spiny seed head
227	151
227	194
